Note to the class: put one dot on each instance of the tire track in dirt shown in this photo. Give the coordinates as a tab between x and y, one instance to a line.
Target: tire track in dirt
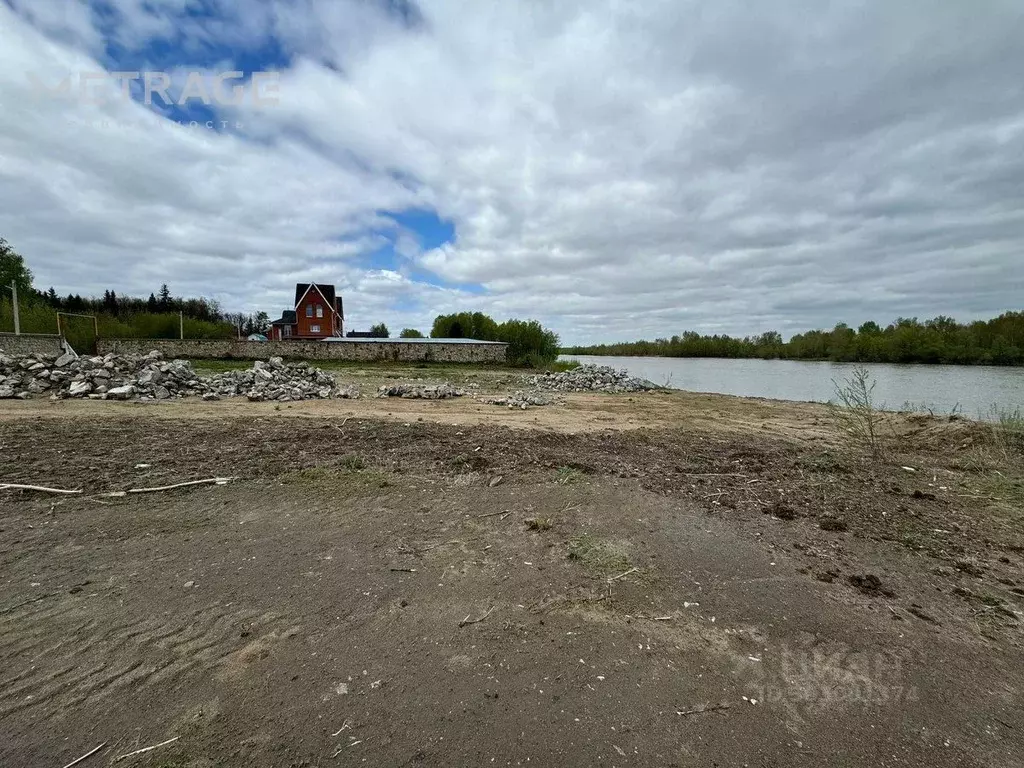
93	660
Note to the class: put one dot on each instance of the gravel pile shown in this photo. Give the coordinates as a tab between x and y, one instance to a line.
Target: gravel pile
423	391
590	378
116	377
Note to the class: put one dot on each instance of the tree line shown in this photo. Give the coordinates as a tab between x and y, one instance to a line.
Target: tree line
112	305
117	316
529	343
999	341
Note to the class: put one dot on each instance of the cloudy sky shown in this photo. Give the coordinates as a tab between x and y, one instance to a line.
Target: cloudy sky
617	170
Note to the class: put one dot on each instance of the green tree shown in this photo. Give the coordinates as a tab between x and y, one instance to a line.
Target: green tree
13	270
529	343
380	331
261	322
410	333
465	325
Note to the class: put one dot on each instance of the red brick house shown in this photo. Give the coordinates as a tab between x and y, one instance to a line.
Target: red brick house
318	314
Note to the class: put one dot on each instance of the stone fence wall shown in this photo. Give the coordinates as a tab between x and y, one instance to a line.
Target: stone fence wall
231	349
30	344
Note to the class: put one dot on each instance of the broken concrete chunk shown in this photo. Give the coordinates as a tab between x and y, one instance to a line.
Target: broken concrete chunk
121	393
79	388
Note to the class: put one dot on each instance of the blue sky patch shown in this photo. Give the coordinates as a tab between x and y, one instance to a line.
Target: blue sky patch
430	229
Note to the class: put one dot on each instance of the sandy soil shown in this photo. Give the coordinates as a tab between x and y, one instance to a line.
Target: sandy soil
663	579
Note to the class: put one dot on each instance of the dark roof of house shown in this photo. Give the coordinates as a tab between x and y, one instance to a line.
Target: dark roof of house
287	318
326	290
359	335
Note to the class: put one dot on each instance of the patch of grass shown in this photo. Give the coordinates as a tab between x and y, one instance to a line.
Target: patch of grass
353	462
602	555
1003	487
568	476
337	480
921	409
540	524
1008	429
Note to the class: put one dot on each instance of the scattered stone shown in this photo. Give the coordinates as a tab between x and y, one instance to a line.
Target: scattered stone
589	378
521	400
423	391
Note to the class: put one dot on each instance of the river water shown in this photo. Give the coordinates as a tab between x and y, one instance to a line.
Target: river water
972	390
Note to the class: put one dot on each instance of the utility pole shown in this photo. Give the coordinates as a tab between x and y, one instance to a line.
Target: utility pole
181	324
17	320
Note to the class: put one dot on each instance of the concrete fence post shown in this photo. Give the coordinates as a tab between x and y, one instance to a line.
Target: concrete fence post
14	306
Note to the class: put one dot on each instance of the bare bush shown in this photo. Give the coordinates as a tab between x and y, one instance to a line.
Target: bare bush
856	414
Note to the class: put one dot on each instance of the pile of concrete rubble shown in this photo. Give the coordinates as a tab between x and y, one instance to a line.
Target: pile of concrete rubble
424	391
117	377
277	380
590	378
521	400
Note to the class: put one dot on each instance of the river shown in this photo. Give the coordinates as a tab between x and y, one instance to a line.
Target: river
972	390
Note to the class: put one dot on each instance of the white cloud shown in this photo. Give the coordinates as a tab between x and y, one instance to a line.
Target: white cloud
617	171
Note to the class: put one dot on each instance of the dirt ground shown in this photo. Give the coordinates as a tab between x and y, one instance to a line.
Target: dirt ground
663	579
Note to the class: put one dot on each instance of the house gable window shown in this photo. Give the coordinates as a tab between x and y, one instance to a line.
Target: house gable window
319	311
314	329
309	310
